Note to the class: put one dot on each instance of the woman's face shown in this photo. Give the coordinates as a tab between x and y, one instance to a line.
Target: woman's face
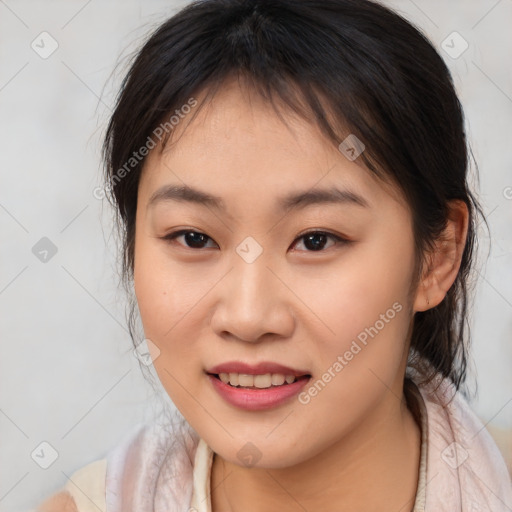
249	288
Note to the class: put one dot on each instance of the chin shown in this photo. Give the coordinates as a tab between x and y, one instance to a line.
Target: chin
259	451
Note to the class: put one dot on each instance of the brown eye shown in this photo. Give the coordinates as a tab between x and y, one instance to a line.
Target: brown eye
315	241
192	239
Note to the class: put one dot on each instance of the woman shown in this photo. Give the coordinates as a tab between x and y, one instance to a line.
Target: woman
290	180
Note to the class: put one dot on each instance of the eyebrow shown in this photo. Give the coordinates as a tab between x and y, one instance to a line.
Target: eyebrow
291	201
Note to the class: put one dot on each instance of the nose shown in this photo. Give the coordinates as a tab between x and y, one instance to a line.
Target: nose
253	303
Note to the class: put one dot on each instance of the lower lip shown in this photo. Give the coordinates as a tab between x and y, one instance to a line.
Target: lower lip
257	399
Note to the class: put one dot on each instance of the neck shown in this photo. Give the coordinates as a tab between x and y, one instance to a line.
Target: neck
375	467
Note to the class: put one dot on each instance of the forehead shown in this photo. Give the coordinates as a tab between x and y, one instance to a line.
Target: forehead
237	143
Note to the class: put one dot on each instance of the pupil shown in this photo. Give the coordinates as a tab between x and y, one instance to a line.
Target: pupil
195	239
315	246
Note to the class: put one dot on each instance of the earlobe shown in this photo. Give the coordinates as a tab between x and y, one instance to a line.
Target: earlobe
445	259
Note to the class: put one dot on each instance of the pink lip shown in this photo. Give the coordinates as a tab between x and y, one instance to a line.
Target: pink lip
257	399
256	369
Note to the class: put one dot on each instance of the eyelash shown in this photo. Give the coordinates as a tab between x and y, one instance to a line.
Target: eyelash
338	239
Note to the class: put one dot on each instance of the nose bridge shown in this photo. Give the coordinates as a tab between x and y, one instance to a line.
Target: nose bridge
252	301
253	290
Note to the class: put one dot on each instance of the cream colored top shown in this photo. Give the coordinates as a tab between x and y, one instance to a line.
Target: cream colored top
87	489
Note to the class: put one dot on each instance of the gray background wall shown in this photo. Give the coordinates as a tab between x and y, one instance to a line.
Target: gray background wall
67	373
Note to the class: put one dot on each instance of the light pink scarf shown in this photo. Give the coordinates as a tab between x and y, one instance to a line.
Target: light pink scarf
151	470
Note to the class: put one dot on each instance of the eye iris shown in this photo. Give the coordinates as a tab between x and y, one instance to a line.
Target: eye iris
315	246
195	239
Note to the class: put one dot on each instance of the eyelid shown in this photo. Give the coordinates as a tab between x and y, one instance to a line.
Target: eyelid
320	231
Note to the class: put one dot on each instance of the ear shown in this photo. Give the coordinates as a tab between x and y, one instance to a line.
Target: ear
444	260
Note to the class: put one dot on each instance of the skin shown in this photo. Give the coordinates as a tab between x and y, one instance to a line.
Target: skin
292	305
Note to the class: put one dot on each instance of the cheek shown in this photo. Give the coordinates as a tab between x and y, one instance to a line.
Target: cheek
358	291
165	315
171	303
364	312
159	306
360	355
154	301
164	294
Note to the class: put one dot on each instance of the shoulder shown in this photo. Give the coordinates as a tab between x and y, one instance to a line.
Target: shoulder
153	462
83	492
59	502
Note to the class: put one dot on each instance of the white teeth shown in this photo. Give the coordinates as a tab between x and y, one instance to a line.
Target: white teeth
259	381
244	380
278	379
262	381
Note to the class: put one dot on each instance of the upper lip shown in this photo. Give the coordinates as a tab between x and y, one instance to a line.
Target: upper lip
255	369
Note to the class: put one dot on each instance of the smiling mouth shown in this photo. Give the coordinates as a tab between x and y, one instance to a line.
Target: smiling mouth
264	381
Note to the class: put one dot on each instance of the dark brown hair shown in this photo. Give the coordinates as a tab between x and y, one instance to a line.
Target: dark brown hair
351	66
